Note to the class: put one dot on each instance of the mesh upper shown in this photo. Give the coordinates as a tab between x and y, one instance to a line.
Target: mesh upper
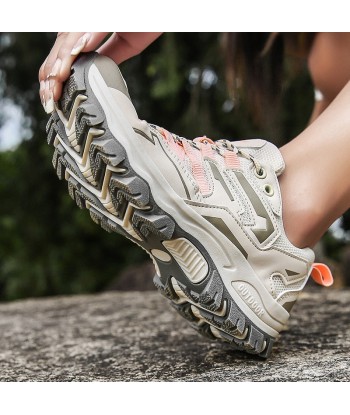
280	287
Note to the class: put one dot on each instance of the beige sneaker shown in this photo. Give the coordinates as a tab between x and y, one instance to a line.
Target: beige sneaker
208	213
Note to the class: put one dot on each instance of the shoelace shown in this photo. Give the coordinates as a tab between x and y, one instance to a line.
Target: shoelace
320	273
216	145
229	146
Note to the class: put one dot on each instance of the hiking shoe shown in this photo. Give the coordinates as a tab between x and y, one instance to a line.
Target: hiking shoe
208	213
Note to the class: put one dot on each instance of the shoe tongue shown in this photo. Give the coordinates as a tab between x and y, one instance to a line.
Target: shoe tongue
264	151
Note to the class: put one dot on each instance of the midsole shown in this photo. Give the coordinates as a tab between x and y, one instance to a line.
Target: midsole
232	266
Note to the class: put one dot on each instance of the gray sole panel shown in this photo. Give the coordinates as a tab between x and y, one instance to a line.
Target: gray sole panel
207	305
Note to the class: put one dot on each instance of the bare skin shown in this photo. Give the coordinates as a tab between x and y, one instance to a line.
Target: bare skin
315	186
56	67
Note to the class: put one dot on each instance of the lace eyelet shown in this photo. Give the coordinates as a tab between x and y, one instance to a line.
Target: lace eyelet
261	174
268	189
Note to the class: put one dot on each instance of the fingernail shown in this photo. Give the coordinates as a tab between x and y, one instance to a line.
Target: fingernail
56	68
46	89
49	105
41	91
80	45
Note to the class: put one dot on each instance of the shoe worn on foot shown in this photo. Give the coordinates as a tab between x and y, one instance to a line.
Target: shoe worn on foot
209	214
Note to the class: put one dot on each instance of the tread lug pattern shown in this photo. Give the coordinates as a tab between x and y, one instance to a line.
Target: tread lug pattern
87	116
232	326
71	89
132	189
211	297
161	225
120	201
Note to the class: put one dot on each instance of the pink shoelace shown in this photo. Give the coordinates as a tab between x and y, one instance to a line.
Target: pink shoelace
320	273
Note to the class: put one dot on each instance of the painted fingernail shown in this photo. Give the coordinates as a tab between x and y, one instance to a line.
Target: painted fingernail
55	69
80	45
50	105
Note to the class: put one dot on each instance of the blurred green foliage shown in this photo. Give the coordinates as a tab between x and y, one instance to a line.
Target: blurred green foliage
47	245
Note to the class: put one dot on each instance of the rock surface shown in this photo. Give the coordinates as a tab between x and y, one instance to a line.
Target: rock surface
134	336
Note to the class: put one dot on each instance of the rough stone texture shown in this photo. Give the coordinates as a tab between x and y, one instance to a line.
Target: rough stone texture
133	336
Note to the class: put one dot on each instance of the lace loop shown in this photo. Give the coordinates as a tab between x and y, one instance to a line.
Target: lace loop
204	140
229	146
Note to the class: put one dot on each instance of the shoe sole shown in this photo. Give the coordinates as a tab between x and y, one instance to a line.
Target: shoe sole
101	179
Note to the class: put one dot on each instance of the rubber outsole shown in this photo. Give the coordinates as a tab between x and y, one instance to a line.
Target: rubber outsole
101	179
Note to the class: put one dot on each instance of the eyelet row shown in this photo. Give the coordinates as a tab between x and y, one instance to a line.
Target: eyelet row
261	174
268	189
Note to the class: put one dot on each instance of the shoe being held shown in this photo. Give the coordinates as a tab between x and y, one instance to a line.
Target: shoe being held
208	213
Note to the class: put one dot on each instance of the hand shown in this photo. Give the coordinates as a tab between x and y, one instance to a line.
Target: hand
68	45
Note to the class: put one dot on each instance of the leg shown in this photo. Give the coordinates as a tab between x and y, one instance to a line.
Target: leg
315	185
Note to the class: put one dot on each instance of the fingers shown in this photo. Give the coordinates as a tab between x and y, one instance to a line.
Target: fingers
85	43
122	46
63	43
57	66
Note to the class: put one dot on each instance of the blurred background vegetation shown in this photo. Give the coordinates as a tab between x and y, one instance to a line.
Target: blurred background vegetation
47	245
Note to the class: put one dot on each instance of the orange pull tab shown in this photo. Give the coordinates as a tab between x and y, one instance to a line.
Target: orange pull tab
322	274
